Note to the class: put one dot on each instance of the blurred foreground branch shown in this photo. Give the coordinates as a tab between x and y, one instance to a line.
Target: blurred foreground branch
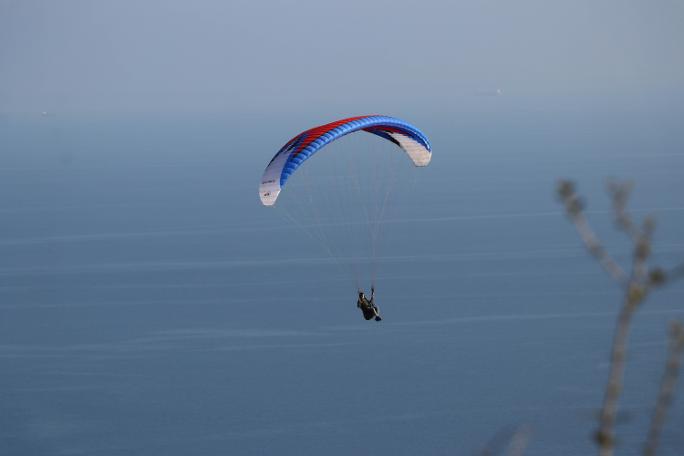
514	440
574	207
636	283
667	387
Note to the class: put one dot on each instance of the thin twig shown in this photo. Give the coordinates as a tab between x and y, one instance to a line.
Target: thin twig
619	192
667	387
595	247
515	439
519	441
575	211
642	251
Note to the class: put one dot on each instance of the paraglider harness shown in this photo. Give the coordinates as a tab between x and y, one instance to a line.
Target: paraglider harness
368	307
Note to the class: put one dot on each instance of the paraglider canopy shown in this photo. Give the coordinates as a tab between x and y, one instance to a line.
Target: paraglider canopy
304	145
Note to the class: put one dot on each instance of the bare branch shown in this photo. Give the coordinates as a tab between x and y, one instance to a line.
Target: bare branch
637	286
515	439
642	250
620	192
594	247
605	436
519	441
667	387
575	211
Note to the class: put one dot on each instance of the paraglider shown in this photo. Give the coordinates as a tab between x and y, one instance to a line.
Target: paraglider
303	146
368	306
297	150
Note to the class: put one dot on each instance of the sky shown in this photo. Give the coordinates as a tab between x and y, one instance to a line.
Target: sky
244	56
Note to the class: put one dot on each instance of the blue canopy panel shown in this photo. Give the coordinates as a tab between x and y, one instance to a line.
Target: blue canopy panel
304	145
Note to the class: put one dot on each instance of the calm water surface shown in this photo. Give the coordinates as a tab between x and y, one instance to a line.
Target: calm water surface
149	305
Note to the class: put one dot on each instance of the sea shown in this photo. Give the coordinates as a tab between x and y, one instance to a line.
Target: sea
149	304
